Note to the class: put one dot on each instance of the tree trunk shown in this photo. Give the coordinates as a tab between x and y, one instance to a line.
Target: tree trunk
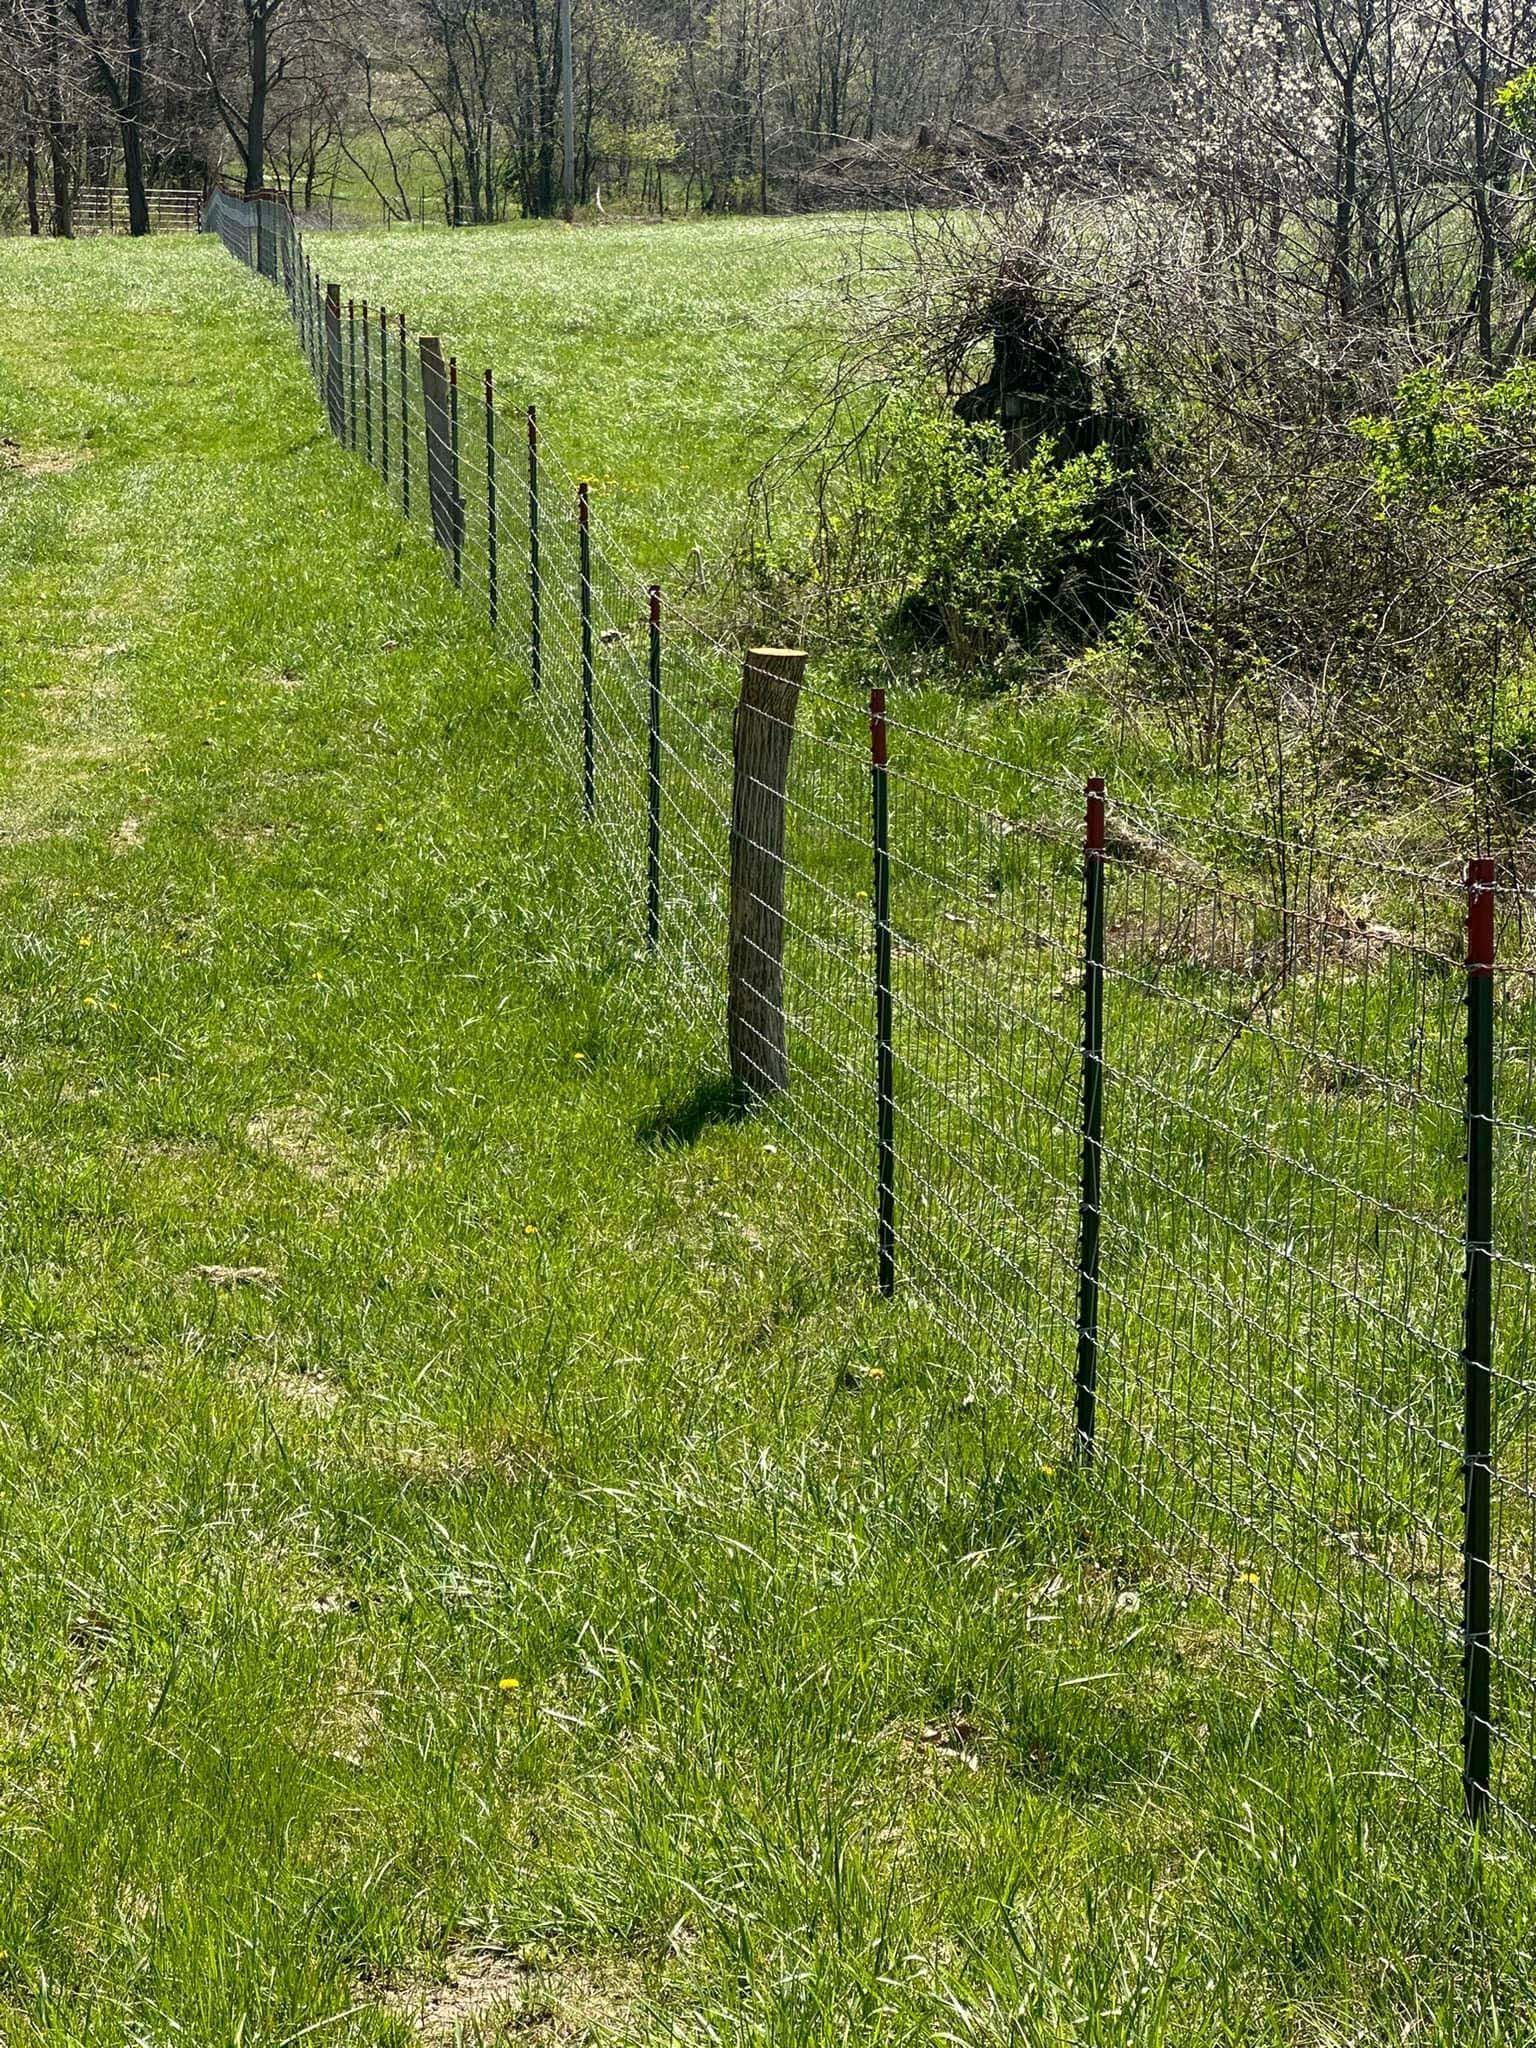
1344	209
1482	130
63	197
34	211
133	178
132	134
125	96
58	136
256	123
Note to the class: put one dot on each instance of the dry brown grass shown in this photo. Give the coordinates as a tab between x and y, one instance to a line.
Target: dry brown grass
490	1995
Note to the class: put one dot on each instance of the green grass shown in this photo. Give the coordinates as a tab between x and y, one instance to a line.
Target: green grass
667	362
352	184
670	363
830	1723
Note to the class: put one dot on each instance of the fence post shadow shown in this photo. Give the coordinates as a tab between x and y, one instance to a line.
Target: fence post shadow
677	1122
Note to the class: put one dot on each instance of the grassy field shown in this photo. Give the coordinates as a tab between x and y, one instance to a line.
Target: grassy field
671	363
667	363
479	1564
348	187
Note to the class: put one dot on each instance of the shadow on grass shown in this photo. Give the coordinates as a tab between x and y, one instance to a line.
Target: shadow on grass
683	1120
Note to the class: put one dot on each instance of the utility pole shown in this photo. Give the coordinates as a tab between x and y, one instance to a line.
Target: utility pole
568	94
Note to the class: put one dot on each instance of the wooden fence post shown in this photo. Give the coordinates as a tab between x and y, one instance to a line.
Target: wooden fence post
442	454
335	396
763	730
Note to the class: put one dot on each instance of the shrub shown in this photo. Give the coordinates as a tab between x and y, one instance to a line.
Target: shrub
976	545
1461	452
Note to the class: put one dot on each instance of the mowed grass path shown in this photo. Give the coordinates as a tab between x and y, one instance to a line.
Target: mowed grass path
470	1569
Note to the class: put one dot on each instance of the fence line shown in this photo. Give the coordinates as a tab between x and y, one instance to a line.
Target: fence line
1227	1198
103	210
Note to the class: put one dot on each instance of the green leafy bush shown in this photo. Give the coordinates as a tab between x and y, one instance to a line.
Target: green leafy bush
1462	451
976	543
1518	103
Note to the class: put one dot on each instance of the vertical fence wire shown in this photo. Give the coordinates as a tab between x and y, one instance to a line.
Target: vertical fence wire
1091	1195
653	769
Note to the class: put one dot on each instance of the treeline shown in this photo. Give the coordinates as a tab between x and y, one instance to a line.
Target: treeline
1383	124
678	102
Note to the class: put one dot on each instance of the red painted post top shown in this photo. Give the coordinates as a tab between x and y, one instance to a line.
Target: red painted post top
453	373
655	607
877	735
1094	840
1480	902
582	510
533	426
490	389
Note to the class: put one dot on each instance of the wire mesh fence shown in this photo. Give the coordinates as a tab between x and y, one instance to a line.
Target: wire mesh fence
1198	1175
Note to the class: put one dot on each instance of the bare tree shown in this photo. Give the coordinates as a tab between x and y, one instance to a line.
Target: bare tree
22	63
60	133
115	55
243	50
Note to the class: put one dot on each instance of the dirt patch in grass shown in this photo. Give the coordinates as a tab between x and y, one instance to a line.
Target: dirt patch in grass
495	1994
930	1750
305	1390
224	1278
39	461
509	1457
293	1136
349	1722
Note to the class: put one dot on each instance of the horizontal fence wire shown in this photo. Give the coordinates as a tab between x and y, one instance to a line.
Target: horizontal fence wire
1206	1144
